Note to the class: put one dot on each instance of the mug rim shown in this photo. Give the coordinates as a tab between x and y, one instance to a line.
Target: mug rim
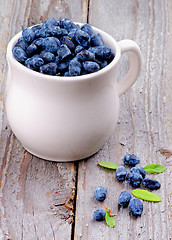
19	65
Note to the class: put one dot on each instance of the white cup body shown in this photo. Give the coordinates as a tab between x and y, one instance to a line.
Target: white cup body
62	118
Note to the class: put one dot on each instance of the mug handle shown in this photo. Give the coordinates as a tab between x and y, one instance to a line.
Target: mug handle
135	64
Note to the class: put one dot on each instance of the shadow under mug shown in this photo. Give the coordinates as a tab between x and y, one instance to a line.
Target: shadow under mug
67	118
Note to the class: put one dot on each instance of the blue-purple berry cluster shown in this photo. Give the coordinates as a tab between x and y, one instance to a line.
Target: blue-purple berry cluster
62	48
137	174
135	205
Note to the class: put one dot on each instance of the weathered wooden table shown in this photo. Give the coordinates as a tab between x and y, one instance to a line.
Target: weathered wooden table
47	200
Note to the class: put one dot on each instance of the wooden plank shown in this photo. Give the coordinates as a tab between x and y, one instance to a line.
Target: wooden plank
144	124
36	196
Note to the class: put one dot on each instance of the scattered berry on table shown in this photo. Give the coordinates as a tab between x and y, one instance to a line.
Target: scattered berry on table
134	179
100	193
151	184
121	173
131	160
124	199
136	207
99	214
140	170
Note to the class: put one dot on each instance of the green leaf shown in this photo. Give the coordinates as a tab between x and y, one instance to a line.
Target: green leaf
109	220
146	195
154	168
108	164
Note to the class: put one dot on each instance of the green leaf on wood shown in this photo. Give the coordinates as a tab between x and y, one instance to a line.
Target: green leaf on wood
107	164
154	168
146	195
109	220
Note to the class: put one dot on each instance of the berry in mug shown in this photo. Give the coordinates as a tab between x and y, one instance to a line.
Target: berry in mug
62	48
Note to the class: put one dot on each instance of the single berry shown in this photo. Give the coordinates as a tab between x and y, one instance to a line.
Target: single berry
28	35
86	27
36	28
151	184
102	63
63	66
47	56
67	24
34	63
42	33
19	54
39	42
49	68
100	193
71	34
96	40
85	55
124	198
78	49
90	66
140	170
67	40
82	38
64	52
51	44
131	160
74	67
50	22
21	43
134	179
31	50
121	173
99	215
54	30
66	74
102	52
136	207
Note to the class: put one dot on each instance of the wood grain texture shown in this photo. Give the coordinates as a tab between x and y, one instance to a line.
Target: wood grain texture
144	126
36	196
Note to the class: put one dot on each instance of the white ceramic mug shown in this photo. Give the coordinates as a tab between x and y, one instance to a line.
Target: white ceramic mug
67	118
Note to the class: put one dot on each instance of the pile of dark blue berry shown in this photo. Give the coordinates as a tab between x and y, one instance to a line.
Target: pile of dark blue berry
62	48
137	174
